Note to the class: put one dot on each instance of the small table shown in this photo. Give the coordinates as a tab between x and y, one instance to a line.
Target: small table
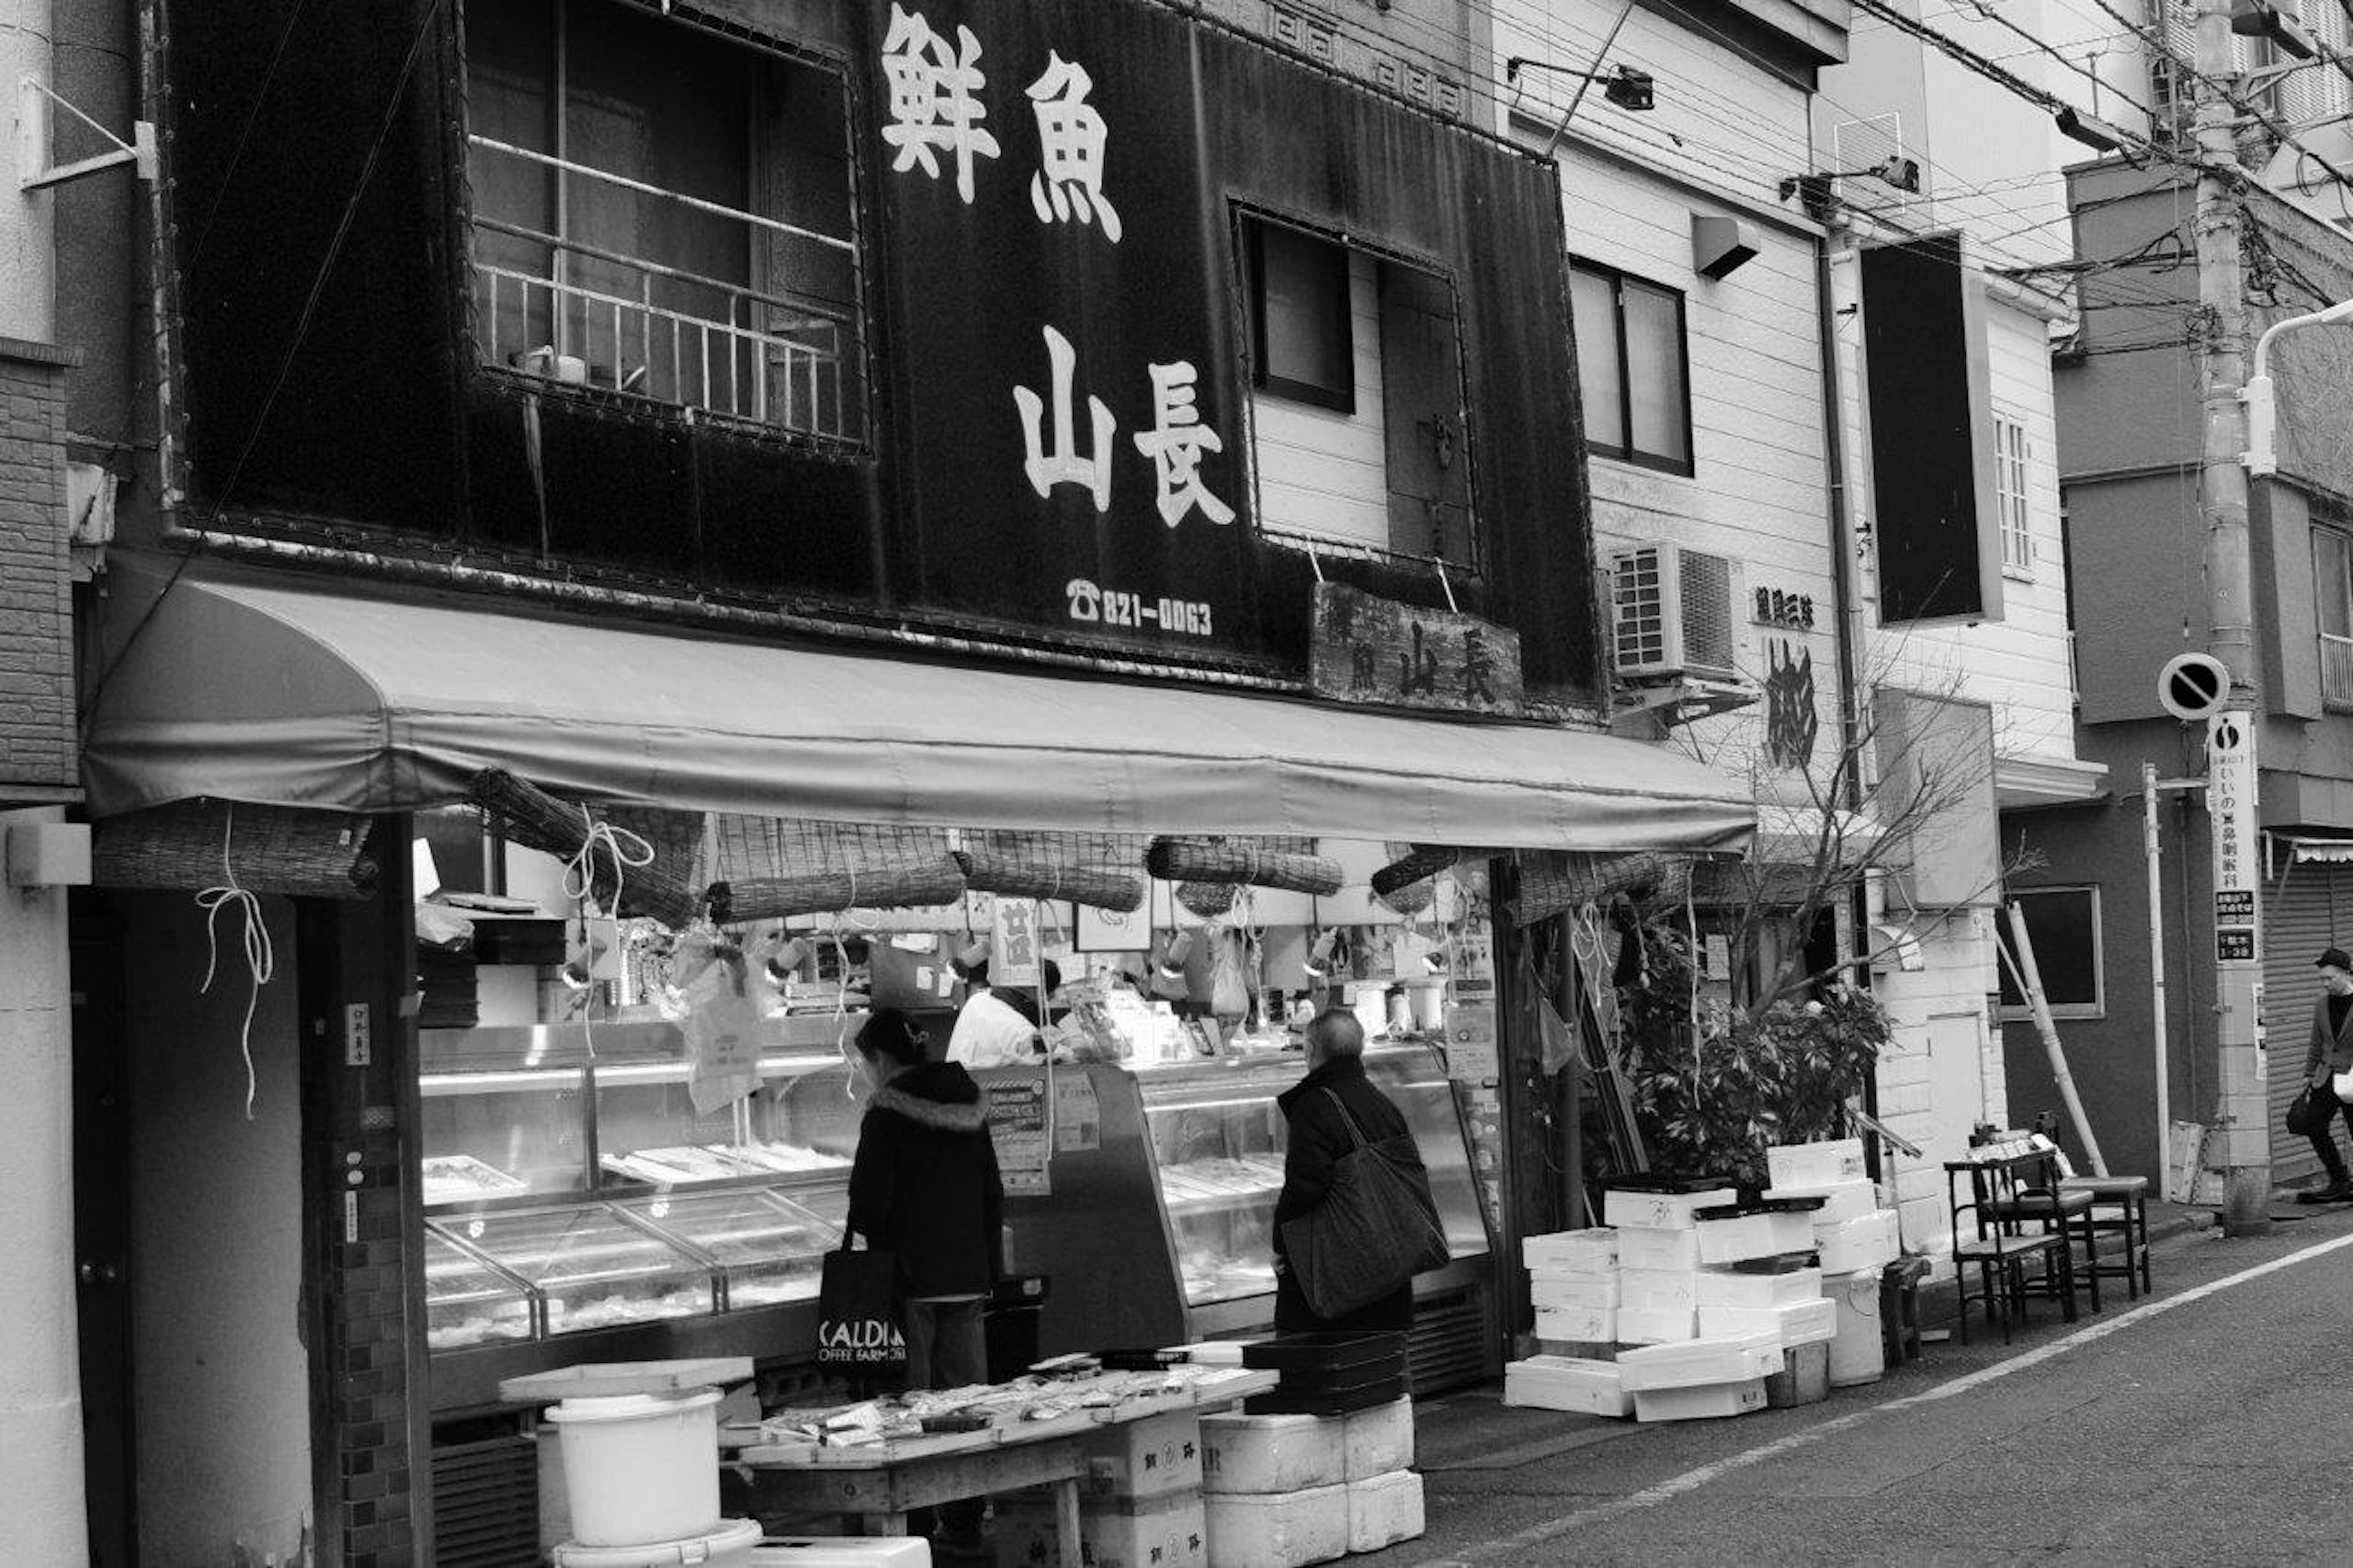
881	1483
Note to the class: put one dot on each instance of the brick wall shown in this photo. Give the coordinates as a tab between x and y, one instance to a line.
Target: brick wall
37	697
368	1351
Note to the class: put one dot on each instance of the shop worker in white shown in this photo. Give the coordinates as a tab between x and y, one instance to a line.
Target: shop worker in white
2330	1054
999	1026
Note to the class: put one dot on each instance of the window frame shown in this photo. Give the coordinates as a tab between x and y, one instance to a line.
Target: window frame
1687	465
2097	1007
2014	511
2326	536
1342	311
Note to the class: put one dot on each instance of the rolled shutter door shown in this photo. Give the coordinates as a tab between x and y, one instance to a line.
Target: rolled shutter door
2310	910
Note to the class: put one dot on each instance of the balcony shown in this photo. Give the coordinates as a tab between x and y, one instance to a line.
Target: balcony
2336	671
579	314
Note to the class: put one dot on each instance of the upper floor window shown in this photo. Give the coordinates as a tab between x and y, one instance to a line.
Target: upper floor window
2332	607
2064	924
663	213
2010	496
1358	409
1633	363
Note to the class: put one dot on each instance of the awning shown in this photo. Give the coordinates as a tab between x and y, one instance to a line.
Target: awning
2322	851
275	695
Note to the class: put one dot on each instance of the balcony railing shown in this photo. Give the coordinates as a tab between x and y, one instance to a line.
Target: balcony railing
2336	670
580	315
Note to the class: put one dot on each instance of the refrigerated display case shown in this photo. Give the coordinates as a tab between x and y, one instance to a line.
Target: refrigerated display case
767	1249
590	1265
470	1301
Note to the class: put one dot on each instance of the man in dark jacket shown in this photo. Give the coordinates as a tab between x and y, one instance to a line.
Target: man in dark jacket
925	1185
1319	1136
2328	1053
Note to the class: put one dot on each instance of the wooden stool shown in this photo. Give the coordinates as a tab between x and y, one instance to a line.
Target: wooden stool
1899	1308
2119	1203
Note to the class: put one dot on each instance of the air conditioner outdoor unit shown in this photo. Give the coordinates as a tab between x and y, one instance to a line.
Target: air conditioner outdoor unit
1671	614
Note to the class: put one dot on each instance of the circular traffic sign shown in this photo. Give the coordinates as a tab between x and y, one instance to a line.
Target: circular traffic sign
2193	686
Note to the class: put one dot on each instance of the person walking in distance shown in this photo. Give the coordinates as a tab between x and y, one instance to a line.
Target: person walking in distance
2329	1055
1319	1136
925	1185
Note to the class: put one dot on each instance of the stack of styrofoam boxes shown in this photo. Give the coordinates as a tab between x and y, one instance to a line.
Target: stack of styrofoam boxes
1701	1378
1856	1238
1141	1504
1285	1490
1573	1285
1788	1302
1658	1255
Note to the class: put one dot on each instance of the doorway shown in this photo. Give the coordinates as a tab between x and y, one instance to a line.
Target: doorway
102	1186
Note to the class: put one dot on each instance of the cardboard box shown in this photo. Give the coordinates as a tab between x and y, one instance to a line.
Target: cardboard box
1284	1530
1145	1459
1590	1325
1795	1322
1815	1164
1384	1510
1643	1247
1575	1293
1249	1454
1567	1383
1377	1440
1701	1363
1720	1287
1707	1402
1657	1211
1593	1251
1169	1532
1871	1242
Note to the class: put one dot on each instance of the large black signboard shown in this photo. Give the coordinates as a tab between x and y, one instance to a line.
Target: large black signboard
1043	430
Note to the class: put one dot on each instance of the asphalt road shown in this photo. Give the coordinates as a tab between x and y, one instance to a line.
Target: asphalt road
2210	1424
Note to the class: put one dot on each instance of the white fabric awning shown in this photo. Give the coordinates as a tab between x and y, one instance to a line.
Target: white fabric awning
273	694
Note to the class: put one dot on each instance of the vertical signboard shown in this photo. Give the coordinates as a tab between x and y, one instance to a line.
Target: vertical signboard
2244	1125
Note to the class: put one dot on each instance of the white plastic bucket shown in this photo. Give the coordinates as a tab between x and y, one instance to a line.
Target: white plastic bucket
729	1546
1858	1354
641	1469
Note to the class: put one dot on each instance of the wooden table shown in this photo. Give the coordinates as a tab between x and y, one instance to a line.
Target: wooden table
880	1483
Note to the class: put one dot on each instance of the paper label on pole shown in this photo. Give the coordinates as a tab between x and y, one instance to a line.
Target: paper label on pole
2234	945
2234	908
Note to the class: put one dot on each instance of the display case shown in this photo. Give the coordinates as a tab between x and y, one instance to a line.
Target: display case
579	1207
1217	1139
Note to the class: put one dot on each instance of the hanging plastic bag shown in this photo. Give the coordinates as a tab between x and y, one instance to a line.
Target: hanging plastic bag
1229	997
721	1025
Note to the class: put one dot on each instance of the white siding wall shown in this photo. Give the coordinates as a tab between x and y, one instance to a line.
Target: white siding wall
1321	471
1942	1072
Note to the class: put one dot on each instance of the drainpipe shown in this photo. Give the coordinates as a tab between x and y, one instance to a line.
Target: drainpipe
1843	551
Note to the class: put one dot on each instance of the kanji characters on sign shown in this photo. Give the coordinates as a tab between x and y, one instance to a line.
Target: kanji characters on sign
1070	136
1176	444
933	102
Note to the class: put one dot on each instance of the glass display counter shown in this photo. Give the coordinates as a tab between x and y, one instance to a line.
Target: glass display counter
471	1301
768	1248
590	1265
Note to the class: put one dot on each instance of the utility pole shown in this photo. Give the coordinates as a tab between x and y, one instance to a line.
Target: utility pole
2244	1119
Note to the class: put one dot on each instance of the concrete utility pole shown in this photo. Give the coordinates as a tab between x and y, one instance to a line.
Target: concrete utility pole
2244	1122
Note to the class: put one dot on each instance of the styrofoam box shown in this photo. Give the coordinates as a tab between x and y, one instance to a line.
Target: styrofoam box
1730	1288
1796	1322
1215	1352
1171	1531
1871	1242
1384	1510
1705	1403
1590	1325
1574	1293
1815	1164
1567	1383
1657	1290
1763	1235
1646	1247
1840	1200
1593	1251
1376	1440
1698	1362
842	1551
1249	1454
1657	1211
1277	1529
1638	1328
1145	1459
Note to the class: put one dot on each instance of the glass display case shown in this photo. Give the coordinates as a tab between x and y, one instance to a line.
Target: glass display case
767	1247
1218	1140
590	1265
470	1301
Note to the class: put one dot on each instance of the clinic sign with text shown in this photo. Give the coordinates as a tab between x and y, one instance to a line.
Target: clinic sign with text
2231	800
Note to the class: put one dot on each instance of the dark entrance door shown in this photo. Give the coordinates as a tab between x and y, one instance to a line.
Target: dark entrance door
103	1231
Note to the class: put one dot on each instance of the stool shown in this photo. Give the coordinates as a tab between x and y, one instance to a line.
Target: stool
1899	1308
2067	1214
2119	1205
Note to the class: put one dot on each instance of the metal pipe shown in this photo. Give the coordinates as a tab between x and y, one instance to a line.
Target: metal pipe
2028	976
2164	1057
716	209
1553	145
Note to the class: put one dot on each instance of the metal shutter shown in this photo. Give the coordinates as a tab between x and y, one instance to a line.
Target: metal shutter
2310	909
486	1503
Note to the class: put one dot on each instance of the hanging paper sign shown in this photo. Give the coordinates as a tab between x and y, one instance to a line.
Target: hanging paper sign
1014	954
1472	1055
1364	649
1077	1115
1017	1125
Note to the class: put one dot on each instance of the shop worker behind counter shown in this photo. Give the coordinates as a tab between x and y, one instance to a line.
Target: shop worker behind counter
1319	1136
925	1185
2330	1054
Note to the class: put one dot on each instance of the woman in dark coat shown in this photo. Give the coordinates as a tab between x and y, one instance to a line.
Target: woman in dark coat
1319	1136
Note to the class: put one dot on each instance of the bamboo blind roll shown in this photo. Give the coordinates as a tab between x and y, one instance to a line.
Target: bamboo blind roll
1247	861
278	849
663	889
922	886
1554	881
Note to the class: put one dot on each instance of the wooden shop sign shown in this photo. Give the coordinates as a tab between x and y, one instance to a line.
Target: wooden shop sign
1378	651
